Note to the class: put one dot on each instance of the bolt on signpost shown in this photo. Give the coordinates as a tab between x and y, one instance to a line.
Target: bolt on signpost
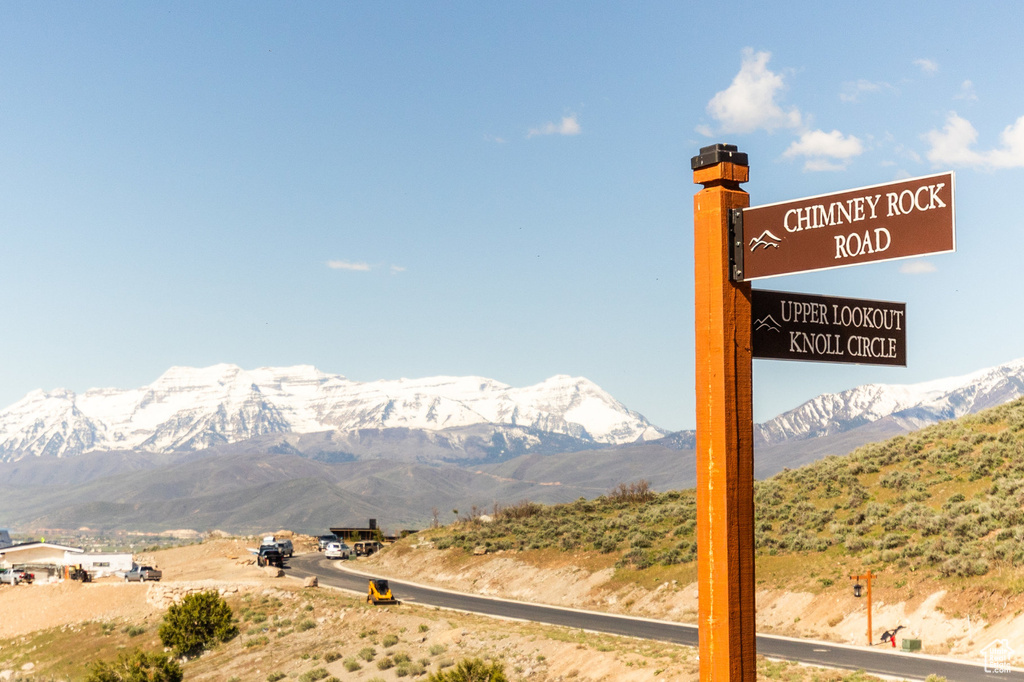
725	451
856	593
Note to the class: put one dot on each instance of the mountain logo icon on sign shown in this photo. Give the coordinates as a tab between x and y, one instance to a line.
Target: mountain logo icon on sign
767	322
767	239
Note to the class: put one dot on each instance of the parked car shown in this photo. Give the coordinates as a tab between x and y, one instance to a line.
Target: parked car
142	574
325	540
367	547
9	576
337	550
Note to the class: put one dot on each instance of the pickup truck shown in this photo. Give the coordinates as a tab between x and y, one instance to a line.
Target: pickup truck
142	574
270	555
10	576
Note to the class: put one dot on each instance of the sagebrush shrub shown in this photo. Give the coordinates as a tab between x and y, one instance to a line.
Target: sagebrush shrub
471	670
196	622
137	666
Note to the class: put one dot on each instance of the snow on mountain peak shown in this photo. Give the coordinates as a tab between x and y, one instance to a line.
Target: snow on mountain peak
912	405
189	408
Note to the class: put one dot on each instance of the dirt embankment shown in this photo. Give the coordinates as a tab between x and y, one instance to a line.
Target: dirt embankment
961	624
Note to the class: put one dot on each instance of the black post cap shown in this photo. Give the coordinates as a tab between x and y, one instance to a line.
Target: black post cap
716	154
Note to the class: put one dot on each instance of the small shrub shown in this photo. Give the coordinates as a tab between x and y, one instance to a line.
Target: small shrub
313	675
331	656
256	641
133	630
137	666
367	653
389	641
385	663
471	670
197	622
424	627
352	665
274	677
304	625
437	649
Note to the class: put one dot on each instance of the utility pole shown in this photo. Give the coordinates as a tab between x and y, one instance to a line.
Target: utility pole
725	452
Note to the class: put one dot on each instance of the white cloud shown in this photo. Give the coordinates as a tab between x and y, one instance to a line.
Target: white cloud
345	265
953	145
853	90
819	165
967	92
567	126
927	65
917	267
749	103
395	269
825	151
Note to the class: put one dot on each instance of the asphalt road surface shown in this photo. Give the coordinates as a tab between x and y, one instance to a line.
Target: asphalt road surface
892	663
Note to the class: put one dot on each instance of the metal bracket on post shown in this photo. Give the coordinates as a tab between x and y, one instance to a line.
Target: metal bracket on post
736	244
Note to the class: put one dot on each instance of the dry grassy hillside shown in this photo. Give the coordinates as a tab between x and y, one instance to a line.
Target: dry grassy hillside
937	516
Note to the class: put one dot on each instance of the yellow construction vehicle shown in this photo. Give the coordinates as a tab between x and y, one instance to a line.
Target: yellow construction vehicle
380	593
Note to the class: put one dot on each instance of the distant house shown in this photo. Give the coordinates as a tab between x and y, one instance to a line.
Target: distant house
106	563
371	532
45	559
355	534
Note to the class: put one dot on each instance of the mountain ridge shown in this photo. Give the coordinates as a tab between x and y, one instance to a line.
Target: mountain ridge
402	473
190	409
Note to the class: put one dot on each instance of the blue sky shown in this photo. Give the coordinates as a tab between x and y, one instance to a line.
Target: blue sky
405	189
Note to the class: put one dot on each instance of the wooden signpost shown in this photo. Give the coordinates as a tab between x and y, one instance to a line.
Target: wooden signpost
725	427
732	245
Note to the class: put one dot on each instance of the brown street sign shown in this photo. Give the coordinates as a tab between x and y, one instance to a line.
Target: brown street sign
865	225
789	326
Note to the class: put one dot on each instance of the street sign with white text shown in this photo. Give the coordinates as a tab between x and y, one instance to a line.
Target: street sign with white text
883	222
790	326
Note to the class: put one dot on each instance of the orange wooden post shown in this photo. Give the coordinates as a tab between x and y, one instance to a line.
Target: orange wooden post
870	638
725	451
867	579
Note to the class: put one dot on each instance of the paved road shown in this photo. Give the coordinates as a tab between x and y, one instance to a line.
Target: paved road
877	661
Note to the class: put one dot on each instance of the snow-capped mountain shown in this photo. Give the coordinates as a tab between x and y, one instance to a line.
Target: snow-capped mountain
195	408
911	406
